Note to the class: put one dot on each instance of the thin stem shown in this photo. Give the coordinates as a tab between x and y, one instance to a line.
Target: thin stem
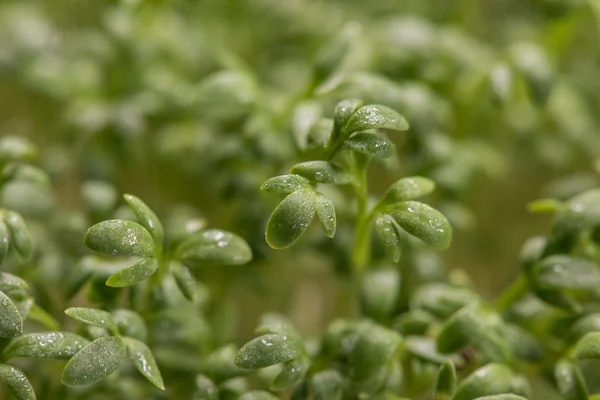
361	251
513	293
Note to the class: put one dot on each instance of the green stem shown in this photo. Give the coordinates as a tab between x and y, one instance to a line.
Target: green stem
361	251
513	293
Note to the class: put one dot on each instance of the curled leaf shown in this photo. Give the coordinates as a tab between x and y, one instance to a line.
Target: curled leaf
326	214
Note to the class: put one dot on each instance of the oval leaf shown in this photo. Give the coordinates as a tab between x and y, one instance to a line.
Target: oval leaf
409	188
374	347
4	241
292	373
92	316
379	291
18	234
268	350
147	218
370	144
375	116
10	282
94	362
285	184
490	379
134	273
322	172
446	381
387	232
326	214
214	246
11	324
16	382
328	385
120	237
588	347
290	219
47	345
343	111
424	222
507	396
185	281
258	395
143	360
205	389
220	364
130	324
570	382
565	272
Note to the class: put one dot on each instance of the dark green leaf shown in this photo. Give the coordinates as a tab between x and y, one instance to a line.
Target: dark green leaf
134	273
570	382
292	373
92	316
424	222
446	381
9	282
343	111
185	280
388	234
488	380
130	324
285	184
374	347
11	324
326	214
370	144
322	172
4	241
290	219
120	237
375	116
16	382
268	350
214	246
147	218
565	272
48	345
18	233
143	360
379	291
408	188
94	362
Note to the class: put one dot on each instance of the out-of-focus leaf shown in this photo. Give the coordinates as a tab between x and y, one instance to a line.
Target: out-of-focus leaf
375	116
214	246
18	233
268	350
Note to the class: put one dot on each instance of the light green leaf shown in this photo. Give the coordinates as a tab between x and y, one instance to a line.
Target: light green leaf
4	241
424	222
130	324
328	385
285	184
545	206
143	360
588	347
290	219
292	373
214	246
531	60
306	114
100	197
585	324
507	396
94	362
442	299
205	389
120	237
134	273
11	324
332	54
147	218
409	188
370	144
488	380
326	214
258	395
16	382
92	316
220	364
446	381
379	291
9	282
501	83
413	322
375	116
38	314
322	172
565	272
388	234
18	234
343	111
185	280
570	382
47	345
16	148
374	347
267	350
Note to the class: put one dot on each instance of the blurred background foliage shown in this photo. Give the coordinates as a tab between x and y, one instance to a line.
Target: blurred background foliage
191	105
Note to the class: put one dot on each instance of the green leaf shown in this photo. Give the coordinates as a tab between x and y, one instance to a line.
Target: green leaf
214	246
100	197
588	347
267	350
375	116
374	347
424	348
332	54
10	282
322	172
343	111
143	360
94	317
424	222
290	219
47	345
388	234
409	188
305	116
370	144
220	364
293	372
488	380
570	382
585	324
147	218
328	385
11	324
545	206
18	234
446	381
258	395
565	272
413	322
507	396
130	323
205	389
326	214
285	184
185	280
4	241
120	237
531	60
16	382
501	83
442	299
379	292
38	314
134	273
94	362
16	148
